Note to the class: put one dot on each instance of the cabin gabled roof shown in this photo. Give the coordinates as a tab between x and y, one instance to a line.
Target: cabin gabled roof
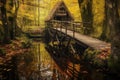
53	11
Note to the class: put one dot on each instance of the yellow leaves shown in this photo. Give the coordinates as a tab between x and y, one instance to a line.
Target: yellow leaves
104	53
9	6
73	8
48	5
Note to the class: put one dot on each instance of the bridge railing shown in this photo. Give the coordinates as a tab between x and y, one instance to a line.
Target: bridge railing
68	25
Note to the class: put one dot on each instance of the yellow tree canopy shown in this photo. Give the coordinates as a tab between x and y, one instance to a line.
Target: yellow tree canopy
30	9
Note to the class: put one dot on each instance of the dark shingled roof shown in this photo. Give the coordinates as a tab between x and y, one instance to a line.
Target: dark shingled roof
52	12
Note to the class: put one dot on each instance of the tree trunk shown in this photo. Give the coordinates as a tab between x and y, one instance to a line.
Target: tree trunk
12	18
5	22
114	23
106	29
87	15
15	18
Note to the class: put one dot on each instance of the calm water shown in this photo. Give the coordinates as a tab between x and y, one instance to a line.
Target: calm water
43	66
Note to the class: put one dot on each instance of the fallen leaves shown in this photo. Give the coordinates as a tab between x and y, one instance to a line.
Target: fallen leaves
105	52
11	50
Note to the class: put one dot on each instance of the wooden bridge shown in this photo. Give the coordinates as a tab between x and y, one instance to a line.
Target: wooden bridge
86	40
72	31
66	42
61	21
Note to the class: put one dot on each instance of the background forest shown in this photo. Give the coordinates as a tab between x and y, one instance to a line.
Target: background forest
92	11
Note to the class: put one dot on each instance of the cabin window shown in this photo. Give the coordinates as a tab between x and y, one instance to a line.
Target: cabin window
62	9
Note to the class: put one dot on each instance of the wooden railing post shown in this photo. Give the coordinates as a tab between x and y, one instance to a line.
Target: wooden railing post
73	30
60	26
66	28
50	23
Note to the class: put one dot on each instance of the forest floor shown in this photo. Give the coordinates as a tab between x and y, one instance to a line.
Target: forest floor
11	55
11	50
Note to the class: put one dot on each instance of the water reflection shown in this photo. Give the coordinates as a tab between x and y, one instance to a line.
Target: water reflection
44	66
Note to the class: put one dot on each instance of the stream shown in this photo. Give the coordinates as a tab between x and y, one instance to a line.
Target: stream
43	66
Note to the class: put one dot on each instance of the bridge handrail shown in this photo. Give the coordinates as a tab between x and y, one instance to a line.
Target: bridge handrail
72	22
75	26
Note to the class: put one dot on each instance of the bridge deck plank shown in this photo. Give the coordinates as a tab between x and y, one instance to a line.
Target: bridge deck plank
87	40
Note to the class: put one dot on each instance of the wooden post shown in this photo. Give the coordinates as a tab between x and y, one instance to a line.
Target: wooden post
61	26
68	43
50	23
66	28
54	23
73	30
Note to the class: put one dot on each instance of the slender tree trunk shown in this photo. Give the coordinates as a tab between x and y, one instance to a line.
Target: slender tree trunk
15	17
11	18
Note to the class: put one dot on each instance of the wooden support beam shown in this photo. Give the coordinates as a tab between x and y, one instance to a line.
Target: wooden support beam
68	43
72	48
57	39
66	29
54	37
51	34
61	26
73	30
70	71
61	40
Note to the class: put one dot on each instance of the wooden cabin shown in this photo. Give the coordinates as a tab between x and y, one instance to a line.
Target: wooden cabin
59	13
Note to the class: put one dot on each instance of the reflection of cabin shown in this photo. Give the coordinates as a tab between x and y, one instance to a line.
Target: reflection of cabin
60	12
